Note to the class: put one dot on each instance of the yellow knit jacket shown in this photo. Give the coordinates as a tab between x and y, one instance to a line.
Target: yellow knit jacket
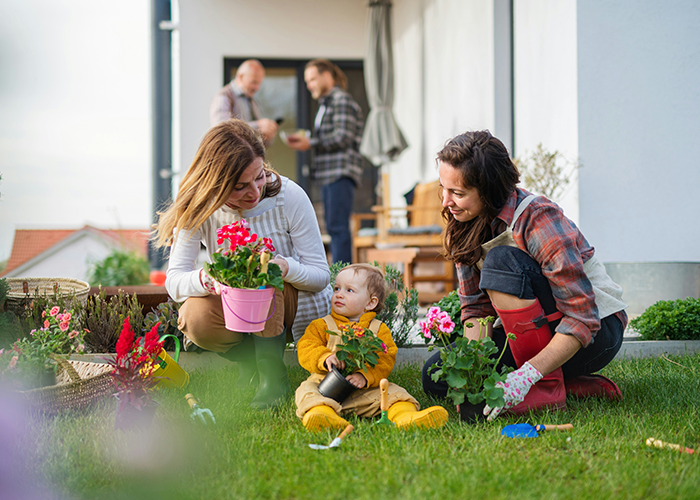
312	348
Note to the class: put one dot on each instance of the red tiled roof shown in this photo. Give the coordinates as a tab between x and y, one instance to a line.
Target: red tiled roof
30	243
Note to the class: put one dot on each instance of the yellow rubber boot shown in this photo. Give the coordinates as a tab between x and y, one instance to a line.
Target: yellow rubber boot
323	417
404	414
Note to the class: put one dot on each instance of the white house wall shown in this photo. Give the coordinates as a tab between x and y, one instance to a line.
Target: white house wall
445	80
214	29
73	260
639	135
545	83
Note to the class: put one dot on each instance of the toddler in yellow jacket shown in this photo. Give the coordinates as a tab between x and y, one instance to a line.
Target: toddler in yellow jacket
358	296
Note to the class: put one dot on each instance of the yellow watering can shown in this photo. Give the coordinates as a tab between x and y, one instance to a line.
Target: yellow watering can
169	372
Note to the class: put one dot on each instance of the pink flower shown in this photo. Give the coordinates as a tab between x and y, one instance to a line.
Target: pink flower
43	314
63	325
59	317
67	316
73	334
80	348
46	323
447	325
13	362
432	313
384	348
54	310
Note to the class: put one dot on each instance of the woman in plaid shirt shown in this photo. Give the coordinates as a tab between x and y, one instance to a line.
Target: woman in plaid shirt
520	258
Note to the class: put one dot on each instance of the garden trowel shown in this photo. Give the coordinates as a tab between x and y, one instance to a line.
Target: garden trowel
531	431
384	403
336	442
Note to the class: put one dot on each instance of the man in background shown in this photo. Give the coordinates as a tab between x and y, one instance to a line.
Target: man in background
337	164
235	100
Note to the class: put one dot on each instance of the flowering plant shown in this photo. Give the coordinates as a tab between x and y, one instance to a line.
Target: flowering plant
245	263
134	365
360	348
468	366
27	363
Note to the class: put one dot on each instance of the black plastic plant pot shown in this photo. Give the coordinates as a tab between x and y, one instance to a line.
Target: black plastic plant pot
470	413
335	386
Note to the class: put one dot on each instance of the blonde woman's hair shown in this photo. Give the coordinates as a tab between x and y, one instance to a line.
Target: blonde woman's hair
374	280
225	152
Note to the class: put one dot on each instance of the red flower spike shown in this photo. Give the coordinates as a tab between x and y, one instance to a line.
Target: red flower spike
126	340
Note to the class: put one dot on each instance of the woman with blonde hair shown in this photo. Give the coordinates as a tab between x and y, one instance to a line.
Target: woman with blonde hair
229	180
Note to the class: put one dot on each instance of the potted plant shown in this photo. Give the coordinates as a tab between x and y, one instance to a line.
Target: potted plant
134	365
469	367
28	364
359	350
246	276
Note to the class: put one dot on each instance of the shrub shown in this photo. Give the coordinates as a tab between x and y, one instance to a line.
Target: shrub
670	320
104	318
166	314
120	268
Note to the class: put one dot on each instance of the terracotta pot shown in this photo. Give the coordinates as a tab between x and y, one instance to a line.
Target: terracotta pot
129	417
472	413
335	386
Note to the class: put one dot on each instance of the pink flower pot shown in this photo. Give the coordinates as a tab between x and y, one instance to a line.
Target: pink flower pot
246	310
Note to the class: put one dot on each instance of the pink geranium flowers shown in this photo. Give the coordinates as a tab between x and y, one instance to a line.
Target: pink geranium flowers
437	323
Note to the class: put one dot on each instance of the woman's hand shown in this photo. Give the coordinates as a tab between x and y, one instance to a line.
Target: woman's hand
284	266
515	388
357	379
210	284
332	361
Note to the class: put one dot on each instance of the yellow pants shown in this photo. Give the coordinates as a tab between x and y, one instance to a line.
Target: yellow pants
362	402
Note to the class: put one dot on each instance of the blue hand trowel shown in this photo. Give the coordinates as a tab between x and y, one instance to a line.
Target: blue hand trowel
531	431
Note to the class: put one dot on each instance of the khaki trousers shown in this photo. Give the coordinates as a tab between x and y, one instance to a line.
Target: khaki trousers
201	320
362	402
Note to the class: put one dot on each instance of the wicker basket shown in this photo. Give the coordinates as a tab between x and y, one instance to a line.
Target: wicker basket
23	290
78	383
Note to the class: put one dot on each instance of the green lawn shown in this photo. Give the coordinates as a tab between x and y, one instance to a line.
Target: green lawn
251	454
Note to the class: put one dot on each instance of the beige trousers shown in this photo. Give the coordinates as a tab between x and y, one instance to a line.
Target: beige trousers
362	402
201	320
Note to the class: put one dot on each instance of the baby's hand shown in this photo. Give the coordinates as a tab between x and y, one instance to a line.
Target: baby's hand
332	361
357	379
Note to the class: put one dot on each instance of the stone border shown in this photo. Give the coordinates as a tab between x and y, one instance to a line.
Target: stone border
417	355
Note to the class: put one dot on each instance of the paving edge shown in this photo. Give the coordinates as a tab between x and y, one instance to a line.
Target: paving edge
417	355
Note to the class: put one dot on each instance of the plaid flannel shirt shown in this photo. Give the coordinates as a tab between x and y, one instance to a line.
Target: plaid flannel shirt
336	142
554	241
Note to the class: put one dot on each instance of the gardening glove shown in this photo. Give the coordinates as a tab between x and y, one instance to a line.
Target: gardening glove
210	284
515	388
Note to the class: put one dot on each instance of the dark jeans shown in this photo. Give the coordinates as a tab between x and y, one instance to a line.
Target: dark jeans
338	198
510	270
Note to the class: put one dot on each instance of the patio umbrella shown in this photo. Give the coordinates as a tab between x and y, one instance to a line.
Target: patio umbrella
382	140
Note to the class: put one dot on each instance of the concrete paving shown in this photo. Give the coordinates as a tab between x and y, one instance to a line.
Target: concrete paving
417	355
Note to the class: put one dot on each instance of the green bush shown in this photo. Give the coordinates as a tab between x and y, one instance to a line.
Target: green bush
670	320
120	268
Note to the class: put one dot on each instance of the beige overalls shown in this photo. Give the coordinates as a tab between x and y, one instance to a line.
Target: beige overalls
362	402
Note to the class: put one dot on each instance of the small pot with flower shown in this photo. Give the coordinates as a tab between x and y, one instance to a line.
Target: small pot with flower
247	277
359	350
28	364
134	366
469	367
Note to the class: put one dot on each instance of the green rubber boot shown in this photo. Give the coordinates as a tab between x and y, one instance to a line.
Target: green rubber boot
274	383
243	354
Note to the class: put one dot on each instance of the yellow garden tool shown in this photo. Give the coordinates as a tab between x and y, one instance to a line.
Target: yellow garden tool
384	403
671	446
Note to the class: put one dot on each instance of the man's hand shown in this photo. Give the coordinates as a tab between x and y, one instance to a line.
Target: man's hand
357	379
515	388
268	128
332	361
298	142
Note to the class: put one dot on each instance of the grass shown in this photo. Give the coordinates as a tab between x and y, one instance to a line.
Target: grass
251	454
